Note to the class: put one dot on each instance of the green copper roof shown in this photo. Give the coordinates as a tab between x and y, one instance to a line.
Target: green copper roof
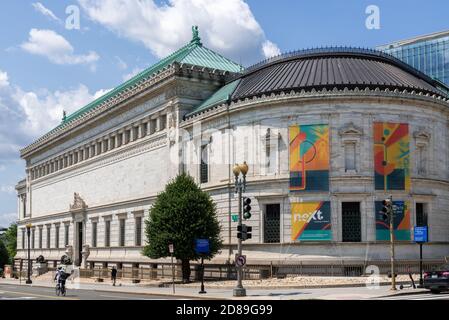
222	95
193	53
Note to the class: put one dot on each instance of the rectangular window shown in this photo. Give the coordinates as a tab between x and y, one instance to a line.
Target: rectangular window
122	232
204	167
48	236
153	123
135	133
349	156
40	238
107	240
66	235
57	237
351	222
163	123
421	215
94	234
23	238
138	231
272	224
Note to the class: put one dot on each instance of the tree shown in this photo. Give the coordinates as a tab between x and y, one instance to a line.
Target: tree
10	241
181	214
4	257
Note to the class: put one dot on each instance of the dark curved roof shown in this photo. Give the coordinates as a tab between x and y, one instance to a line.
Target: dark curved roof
329	68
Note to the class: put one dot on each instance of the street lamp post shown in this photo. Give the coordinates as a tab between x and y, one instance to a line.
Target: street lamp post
28	227
393	278
240	186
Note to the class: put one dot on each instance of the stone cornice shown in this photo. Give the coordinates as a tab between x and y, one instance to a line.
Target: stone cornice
313	95
154	82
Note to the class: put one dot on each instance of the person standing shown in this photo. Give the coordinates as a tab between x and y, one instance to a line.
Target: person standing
113	275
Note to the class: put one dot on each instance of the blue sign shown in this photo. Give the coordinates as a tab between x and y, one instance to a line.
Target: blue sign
420	234
202	246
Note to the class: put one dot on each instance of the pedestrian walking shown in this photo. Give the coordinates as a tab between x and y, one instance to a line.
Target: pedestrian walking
113	275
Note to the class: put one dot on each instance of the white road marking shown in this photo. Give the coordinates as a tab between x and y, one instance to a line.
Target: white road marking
423	296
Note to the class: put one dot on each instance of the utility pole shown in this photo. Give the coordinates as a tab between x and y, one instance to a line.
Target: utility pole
391	215
28	228
240	186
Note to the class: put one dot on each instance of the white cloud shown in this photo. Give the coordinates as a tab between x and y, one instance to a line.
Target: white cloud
2	167
55	48
26	115
45	11
7	189
227	26
43	111
270	49
3	79
7	218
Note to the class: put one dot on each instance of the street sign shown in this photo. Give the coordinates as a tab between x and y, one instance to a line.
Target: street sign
171	248
202	246
420	234
235	217
240	261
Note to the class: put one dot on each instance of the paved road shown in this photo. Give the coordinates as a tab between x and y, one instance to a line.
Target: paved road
422	296
13	292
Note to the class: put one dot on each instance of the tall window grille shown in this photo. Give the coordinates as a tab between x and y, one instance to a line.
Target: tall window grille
204	167
94	234
272	219
138	231
122	232
57	237
421	215
23	238
66	235
40	238
107	240
48	236
351	222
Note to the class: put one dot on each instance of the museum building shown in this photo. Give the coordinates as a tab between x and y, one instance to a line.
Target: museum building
327	135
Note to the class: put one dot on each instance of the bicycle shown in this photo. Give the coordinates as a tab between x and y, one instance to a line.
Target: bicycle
60	289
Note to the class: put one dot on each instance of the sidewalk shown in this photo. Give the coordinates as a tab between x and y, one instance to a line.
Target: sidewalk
347	293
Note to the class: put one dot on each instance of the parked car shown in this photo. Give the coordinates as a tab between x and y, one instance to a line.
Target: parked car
437	280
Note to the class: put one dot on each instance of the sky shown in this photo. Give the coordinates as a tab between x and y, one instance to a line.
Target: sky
60	55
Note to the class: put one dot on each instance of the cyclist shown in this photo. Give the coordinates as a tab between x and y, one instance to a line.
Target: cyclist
60	277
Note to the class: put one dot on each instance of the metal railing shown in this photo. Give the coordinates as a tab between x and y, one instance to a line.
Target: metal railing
163	271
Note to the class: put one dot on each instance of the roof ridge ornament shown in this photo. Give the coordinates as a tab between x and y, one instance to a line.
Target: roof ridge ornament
196	36
64	116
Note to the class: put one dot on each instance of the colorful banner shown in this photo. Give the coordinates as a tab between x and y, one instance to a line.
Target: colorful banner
391	156
401	221
309	157
311	221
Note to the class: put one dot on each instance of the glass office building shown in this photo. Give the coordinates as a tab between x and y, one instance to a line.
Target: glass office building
429	54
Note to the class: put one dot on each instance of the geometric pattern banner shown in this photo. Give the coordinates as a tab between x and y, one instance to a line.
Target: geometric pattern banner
311	221
309	157
391	156
401	222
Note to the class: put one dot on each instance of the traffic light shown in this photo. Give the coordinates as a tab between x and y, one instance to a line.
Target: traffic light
386	210
244	232
246	208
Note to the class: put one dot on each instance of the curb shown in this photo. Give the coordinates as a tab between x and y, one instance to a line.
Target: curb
419	291
302	286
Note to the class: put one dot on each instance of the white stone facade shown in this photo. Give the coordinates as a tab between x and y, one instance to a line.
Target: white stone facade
118	163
